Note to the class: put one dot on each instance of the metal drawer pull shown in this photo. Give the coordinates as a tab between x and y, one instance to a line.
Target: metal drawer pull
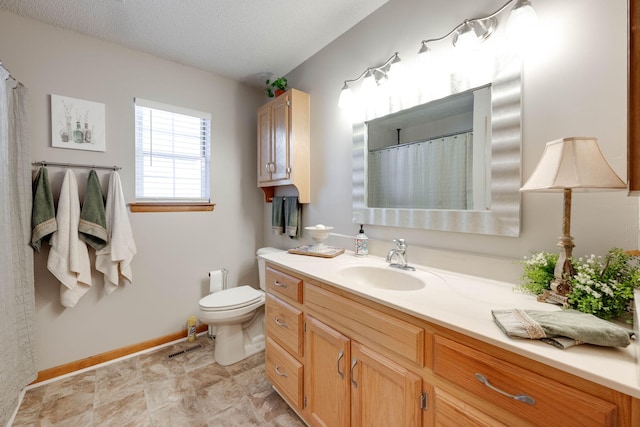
520	397
282	374
340	356
280	285
353	365
280	323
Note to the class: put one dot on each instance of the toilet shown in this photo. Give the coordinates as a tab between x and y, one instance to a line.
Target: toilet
235	317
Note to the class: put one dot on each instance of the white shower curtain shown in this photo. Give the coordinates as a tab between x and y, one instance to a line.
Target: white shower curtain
17	308
434	174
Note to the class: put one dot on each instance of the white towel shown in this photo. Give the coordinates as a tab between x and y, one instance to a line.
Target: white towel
69	258
114	260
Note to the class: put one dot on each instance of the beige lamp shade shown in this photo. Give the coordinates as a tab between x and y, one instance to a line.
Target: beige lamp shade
575	163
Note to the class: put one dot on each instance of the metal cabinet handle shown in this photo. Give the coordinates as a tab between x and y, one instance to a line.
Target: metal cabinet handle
266	167
272	167
340	356
280	285
282	374
519	397
353	365
280	323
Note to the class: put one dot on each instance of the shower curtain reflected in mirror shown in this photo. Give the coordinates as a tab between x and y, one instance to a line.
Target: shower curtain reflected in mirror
405	174
17	309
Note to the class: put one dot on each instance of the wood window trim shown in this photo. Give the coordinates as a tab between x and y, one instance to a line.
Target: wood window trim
633	144
170	207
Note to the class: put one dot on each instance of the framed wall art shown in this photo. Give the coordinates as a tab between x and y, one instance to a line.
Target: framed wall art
77	124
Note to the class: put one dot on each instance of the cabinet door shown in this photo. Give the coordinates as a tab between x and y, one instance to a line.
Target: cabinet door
383	393
281	138
327	384
264	143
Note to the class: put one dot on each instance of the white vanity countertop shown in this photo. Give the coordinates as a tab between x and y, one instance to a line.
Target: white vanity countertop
463	303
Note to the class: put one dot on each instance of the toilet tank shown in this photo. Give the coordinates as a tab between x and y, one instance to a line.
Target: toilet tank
261	263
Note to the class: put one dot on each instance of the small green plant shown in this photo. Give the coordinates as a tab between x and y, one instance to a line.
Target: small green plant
277	84
601	286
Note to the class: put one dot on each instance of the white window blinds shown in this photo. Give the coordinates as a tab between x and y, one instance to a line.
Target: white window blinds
172	153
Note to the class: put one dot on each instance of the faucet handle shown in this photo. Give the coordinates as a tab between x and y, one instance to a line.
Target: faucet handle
400	243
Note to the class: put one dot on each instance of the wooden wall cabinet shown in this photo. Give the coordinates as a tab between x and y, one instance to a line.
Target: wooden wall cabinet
365	364
283	144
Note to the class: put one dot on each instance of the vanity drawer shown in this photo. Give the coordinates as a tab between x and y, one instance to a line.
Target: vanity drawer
284	323
284	284
553	403
284	372
379	329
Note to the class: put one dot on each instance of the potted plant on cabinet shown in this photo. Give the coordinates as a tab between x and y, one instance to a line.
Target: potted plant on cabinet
276	87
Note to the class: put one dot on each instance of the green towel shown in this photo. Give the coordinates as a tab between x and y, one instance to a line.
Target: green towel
92	227
43	213
292	215
562	329
277	215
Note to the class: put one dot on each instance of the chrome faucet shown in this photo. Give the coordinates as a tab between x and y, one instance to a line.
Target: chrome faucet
399	253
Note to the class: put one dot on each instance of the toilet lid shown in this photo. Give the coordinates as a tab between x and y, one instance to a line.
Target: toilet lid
231	298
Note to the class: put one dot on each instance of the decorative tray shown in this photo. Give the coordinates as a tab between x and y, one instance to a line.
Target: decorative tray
313	250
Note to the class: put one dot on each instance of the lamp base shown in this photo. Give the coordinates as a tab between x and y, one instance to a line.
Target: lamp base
552	297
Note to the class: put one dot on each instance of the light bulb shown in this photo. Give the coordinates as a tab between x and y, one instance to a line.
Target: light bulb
465	37
346	97
523	21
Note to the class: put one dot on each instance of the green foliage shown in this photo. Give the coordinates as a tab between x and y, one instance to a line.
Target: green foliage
538	272
601	286
280	83
604	287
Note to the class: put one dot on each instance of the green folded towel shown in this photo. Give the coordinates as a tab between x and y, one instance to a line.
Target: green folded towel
562	329
292	215
43	213
277	215
92	227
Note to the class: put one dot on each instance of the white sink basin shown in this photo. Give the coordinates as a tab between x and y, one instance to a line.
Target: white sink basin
384	277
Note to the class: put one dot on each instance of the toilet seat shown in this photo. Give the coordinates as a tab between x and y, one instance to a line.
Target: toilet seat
232	298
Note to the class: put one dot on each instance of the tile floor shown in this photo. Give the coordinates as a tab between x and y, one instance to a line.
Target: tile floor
152	389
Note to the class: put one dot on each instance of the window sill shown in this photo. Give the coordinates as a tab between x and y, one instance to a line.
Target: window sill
170	207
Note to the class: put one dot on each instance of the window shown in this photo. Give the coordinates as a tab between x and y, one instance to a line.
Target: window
172	154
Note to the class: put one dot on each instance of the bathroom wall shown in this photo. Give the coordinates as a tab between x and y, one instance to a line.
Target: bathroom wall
574	84
175	250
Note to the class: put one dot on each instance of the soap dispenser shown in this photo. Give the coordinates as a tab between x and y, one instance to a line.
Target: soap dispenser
362	243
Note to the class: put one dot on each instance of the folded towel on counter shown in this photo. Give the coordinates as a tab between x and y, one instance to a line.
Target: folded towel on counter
69	258
114	260
562	329
93	224
292	216
277	215
43	213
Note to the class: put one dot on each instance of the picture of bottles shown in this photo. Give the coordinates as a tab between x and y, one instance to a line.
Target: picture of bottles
77	124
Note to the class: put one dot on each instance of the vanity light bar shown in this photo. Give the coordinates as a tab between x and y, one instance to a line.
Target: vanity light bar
469	32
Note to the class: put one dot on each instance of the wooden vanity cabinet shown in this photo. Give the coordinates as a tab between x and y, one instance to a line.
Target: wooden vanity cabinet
283	144
365	364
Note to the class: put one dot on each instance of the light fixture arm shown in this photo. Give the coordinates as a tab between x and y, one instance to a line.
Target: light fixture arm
466	22
372	70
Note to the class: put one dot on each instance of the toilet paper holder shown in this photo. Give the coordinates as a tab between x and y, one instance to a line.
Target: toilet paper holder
215	276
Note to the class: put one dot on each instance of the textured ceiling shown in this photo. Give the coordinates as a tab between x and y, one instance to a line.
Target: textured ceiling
246	40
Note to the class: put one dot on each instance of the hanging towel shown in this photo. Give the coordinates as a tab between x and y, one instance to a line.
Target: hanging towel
277	215
114	260
292	216
43	213
562	329
69	257
93	224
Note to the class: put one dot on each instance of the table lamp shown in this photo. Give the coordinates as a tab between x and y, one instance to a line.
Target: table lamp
571	164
